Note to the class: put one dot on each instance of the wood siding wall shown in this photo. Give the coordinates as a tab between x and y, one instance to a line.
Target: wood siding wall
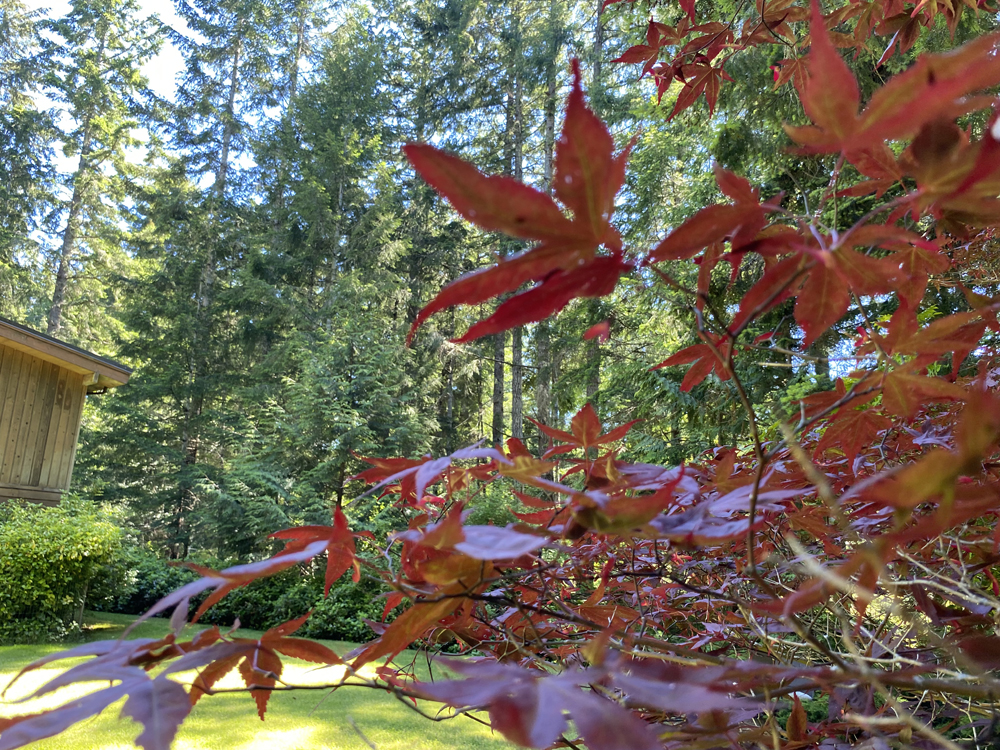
40	410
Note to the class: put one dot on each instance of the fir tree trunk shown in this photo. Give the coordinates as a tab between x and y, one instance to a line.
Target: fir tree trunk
517	349
499	347
500	339
593	355
543	332
594	305
195	403
287	123
597	81
517	384
549	135
450	408
228	129
449	396
68	245
300	49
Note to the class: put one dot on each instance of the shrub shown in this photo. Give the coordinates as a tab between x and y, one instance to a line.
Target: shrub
269	602
341	615
50	558
146	578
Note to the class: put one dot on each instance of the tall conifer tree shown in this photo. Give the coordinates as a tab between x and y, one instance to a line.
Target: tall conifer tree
26	134
97	51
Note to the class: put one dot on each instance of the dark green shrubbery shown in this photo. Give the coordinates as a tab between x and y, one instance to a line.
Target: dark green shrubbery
342	615
147	579
51	560
264	604
261	605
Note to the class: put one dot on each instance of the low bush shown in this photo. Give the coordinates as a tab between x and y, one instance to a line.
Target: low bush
342	614
261	605
51	558
146	579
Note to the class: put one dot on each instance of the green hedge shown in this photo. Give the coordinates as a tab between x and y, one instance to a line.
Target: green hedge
261	605
146	579
50	559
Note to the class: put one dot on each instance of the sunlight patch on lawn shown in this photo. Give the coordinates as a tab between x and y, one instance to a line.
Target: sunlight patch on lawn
287	739
296	720
30	683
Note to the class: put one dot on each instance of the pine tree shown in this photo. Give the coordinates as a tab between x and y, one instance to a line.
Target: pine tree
229	79
25	155
96	59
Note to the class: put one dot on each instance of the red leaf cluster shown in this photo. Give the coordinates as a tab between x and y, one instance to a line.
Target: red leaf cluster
564	264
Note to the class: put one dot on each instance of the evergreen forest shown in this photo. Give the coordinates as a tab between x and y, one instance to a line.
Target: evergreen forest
256	246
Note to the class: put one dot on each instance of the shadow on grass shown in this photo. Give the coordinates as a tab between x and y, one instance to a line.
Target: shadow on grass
305	720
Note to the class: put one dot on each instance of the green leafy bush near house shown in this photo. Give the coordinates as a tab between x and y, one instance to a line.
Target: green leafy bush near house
50	559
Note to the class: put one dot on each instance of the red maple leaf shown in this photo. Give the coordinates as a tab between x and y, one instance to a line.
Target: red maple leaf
588	175
585	432
704	361
340	547
739	221
699	78
258	661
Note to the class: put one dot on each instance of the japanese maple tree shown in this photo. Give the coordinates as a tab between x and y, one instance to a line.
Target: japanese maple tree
850	550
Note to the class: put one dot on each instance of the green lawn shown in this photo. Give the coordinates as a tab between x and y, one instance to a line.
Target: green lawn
306	720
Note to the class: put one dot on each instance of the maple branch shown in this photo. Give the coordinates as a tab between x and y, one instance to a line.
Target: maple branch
805	423
815	476
766	25
897	201
761	463
832	188
573	617
727	362
765	304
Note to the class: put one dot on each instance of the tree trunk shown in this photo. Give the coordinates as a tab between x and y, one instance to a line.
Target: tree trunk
449	413
499	347
300	49
287	120
80	179
543	331
195	403
517	349
820	349
543	380
500	339
516	384
594	305
68	245
597	81
228	129
450	408
594	356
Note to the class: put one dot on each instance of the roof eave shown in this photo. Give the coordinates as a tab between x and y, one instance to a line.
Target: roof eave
103	372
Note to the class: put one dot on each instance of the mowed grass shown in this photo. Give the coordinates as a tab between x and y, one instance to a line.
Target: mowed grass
348	718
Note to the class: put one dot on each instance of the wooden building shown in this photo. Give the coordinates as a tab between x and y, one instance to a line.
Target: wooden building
43	384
